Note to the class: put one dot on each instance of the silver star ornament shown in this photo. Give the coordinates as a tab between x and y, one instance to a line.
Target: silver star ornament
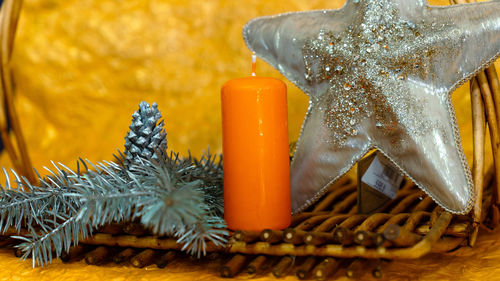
379	74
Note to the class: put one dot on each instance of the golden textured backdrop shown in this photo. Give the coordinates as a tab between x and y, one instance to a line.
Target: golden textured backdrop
82	66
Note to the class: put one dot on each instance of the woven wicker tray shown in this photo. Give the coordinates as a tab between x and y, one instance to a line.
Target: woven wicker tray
320	240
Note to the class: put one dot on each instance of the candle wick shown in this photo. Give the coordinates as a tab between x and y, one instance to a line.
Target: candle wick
254	63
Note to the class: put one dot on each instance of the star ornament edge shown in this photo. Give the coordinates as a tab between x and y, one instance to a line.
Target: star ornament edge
267	54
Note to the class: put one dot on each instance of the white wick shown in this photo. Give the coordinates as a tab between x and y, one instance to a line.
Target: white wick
254	62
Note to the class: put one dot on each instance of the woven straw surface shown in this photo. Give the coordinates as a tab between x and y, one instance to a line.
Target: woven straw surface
478	263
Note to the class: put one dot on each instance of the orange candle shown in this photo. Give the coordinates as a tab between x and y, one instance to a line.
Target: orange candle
255	152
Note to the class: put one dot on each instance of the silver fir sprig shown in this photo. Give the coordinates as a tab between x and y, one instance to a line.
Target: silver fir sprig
170	195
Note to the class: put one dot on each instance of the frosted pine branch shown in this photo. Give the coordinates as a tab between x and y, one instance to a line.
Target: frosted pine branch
171	195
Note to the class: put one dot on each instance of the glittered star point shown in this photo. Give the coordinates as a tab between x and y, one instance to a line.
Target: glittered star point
380	74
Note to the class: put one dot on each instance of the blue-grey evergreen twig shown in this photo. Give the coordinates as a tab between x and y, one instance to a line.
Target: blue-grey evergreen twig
170	195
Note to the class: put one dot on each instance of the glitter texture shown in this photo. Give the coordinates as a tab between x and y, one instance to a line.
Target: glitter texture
368	93
379	74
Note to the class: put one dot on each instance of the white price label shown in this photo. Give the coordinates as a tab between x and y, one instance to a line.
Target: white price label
383	177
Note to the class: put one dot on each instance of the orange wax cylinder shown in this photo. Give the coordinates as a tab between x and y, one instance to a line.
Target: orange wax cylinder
255	153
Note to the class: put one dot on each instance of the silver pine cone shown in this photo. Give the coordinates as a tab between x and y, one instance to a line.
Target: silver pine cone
147	138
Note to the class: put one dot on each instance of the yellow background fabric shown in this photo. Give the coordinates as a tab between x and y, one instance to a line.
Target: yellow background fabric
81	67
